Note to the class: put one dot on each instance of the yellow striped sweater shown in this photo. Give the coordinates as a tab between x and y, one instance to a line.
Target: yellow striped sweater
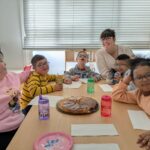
34	86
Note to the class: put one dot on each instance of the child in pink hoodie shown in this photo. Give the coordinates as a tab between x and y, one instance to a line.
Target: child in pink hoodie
10	114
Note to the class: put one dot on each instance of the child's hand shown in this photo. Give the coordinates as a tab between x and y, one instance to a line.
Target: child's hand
75	78
127	79
67	81
95	79
144	140
13	93
117	76
58	87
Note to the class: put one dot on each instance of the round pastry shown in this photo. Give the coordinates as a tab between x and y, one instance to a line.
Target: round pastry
77	105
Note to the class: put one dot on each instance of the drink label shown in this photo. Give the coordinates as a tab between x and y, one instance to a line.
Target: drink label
43	109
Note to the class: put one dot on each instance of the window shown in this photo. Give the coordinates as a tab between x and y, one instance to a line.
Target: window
78	23
142	53
56	60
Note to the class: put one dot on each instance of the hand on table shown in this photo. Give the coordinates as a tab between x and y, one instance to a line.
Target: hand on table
67	81
58	87
95	79
75	78
144	140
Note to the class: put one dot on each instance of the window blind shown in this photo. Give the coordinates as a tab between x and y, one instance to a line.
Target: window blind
78	23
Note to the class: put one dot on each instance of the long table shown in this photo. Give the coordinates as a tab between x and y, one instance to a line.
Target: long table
31	128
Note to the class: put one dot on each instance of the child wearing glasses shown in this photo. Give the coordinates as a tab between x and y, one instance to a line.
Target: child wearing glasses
38	81
81	70
140	75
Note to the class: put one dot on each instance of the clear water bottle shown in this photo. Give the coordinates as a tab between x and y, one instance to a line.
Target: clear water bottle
106	103
43	106
90	86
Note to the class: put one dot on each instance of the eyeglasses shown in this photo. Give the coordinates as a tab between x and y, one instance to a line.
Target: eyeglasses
83	55
43	64
140	78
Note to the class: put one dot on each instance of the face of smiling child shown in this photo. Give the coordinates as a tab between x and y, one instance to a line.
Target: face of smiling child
42	67
141	77
121	66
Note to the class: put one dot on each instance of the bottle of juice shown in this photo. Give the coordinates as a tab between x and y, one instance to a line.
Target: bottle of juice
106	103
90	86
43	107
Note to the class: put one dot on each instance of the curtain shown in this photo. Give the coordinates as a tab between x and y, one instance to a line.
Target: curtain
73	24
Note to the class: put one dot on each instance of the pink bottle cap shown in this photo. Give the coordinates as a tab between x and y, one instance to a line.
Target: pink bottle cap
106	97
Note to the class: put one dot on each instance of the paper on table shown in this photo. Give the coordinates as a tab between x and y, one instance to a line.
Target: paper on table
73	85
139	120
109	146
106	87
83	80
93	129
52	100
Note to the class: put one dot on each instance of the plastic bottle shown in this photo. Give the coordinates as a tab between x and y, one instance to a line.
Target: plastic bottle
90	86
43	106
106	103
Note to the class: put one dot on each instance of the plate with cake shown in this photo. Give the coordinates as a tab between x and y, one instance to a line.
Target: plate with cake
78	105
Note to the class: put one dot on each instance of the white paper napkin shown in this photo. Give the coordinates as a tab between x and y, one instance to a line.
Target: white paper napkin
106	87
83	80
93	129
108	146
52	100
74	85
139	120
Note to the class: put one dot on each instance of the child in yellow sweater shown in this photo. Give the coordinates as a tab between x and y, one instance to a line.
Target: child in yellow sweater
38	81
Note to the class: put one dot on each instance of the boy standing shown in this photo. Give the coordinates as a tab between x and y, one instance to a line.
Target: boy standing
38	81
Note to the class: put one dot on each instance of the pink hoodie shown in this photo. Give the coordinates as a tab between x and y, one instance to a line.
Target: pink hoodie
10	120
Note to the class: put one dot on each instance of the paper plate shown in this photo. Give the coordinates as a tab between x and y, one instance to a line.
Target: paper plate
54	141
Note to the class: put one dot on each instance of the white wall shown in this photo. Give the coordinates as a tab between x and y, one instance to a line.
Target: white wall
10	33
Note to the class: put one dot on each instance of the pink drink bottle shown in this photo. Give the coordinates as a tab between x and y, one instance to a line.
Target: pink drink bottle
106	103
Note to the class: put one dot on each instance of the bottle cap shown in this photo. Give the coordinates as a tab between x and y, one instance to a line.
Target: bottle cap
106	97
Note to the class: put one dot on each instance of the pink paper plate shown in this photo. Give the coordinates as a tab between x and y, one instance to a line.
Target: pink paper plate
54	141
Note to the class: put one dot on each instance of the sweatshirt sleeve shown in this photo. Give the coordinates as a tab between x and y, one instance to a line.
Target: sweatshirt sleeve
51	77
70	73
121	94
94	74
101	65
129	52
35	88
24	76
